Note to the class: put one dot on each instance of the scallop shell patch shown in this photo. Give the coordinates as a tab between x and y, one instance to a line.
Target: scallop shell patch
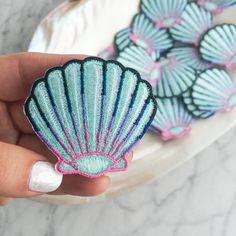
90	114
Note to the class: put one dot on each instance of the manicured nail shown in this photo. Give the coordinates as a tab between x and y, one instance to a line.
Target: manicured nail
44	178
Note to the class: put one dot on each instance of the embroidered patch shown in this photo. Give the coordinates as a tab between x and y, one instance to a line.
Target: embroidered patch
171	120
214	91
195	22
176	78
143	33
139	59
90	114
164	14
189	56
193	109
218	45
215	6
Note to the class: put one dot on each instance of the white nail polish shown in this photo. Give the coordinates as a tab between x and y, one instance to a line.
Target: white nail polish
44	178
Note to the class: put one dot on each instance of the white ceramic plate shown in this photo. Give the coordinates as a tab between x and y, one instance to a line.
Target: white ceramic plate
88	27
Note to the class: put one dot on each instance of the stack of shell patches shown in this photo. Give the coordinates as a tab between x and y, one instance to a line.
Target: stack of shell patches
90	114
193	109
171	44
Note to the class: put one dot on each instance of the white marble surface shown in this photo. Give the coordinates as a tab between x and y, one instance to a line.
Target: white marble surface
18	20
198	198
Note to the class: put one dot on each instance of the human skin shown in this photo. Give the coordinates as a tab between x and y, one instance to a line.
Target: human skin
20	148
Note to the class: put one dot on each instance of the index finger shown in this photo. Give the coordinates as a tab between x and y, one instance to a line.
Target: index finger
19	71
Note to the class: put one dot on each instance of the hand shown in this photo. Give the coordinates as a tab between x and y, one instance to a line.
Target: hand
20	147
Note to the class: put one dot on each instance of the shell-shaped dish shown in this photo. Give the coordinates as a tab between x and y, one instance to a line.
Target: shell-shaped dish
172	120
164	13
214	91
90	114
92	27
143	33
193	109
215	6
139	59
190	56
176	78
195	22
218	45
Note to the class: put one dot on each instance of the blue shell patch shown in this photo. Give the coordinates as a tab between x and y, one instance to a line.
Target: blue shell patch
90	114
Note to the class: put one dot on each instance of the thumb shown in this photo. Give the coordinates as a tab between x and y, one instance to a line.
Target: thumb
24	173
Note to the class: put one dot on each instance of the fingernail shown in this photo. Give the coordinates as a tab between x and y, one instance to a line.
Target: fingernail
44	178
